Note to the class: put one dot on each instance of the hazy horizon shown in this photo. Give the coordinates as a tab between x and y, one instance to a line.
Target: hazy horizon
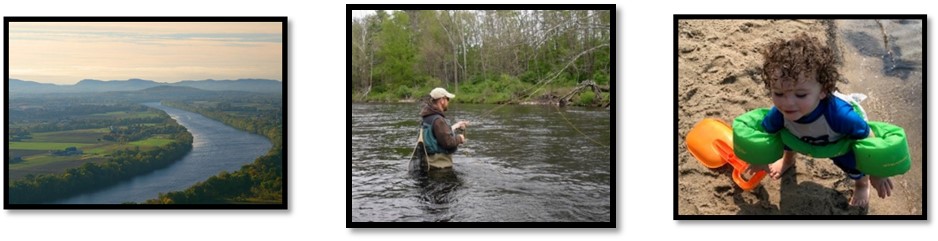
170	82
167	52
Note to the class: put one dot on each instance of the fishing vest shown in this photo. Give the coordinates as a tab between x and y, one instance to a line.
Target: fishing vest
433	147
437	156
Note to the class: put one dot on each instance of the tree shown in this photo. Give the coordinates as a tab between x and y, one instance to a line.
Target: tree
413	49
398	55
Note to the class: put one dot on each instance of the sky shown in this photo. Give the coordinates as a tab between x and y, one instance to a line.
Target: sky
361	13
65	53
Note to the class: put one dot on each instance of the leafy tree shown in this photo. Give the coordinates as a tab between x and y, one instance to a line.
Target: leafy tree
398	55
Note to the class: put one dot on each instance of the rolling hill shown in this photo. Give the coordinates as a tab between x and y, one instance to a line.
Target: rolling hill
17	86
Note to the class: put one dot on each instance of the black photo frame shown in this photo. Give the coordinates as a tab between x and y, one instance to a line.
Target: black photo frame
229	190
822	193
351	221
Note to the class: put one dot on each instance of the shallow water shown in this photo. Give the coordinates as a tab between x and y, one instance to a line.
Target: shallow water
520	163
883	59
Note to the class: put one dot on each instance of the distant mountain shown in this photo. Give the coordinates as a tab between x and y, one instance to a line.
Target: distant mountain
171	89
253	85
92	85
166	92
34	87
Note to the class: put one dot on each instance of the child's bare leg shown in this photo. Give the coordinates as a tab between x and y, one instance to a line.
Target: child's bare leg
779	167
861	192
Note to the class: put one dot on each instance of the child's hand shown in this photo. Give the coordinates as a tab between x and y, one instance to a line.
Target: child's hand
882	185
754	168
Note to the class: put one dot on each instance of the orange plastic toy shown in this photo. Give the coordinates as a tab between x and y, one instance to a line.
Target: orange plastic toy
711	143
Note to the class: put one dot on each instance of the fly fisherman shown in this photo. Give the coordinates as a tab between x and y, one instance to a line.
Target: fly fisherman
439	137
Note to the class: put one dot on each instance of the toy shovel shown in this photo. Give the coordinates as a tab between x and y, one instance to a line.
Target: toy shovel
710	142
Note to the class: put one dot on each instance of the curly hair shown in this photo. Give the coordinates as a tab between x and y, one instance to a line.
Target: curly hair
787	60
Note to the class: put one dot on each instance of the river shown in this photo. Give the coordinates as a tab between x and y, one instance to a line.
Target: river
216	147
520	164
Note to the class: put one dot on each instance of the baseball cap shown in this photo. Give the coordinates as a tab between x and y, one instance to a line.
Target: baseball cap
440	93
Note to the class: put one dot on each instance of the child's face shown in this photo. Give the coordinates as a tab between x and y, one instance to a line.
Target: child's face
795	99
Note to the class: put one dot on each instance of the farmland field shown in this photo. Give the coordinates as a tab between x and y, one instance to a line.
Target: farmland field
35	154
43	145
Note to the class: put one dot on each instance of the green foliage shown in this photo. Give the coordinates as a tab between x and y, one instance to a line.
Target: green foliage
600	78
529	77
431	82
482	56
402	92
381	97
398	55
586	98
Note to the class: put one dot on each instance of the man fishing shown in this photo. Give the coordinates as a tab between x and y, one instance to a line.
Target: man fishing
438	137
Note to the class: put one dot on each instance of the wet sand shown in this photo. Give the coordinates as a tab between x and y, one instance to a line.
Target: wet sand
719	68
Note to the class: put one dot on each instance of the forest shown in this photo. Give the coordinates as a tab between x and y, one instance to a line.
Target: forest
504	56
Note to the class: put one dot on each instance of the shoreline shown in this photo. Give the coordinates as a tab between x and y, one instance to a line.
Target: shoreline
582	100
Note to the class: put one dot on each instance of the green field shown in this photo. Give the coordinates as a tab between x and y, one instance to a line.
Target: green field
38	160
20	152
125	115
47	166
34	154
42	160
74	136
59	140
19	145
156	142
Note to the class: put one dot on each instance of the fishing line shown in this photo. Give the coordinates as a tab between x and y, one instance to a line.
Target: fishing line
541	85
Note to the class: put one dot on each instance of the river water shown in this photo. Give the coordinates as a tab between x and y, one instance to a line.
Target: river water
520	164
216	147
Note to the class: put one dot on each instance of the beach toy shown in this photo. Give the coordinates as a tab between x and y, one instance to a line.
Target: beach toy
710	143
885	154
751	142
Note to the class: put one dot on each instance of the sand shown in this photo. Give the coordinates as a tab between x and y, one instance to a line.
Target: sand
719	69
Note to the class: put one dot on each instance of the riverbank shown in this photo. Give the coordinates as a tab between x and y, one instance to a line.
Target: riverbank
508	92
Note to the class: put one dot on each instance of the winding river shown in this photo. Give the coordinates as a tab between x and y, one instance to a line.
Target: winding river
216	147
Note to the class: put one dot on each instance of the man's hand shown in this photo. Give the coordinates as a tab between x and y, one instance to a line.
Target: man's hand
462	139
461	125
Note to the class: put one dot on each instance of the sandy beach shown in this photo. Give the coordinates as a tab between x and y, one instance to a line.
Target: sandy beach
719	67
